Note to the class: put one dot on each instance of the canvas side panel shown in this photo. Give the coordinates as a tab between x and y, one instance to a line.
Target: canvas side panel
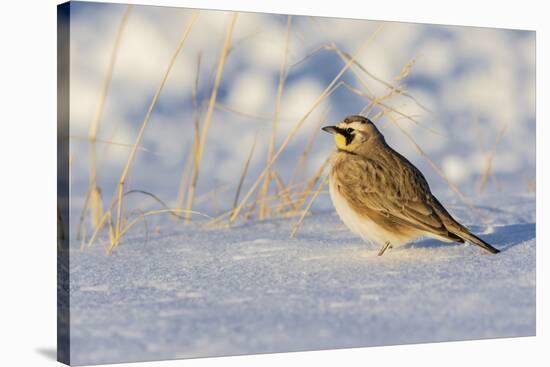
63	81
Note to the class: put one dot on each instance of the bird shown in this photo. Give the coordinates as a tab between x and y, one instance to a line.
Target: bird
381	196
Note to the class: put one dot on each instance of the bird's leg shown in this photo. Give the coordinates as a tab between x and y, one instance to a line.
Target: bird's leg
383	249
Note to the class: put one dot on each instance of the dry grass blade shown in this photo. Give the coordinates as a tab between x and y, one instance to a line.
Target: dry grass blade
243	174
333	47
80	227
267	199
154	197
209	112
247	115
186	175
133	152
374	100
308	56
146	226
282	77
312	181
295	129
405	71
93	196
299	169
451	185
117	144
489	162
281	190
107	217
94	125
308	207
147	214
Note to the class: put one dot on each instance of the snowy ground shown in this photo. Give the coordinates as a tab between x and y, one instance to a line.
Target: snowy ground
252	289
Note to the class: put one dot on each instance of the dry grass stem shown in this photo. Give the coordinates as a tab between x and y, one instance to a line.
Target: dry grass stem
108	219
300	166
222	107
312	181
391	91
243	174
134	150
308	207
299	124
281	189
333	47
186	175
488	171
280	86
209	112
93	197
404	72
114	243
451	185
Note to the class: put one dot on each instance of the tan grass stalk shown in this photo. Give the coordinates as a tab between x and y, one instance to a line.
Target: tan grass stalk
333	47
147	214
223	107
290	196
131	158
146	226
268	199
185	177
300	165
107	218
312	181
117	144
281	189
94	125
308	207
282	77
81	231
243	174
451	185
405	71
209	112
488	171
207	195
93	196
293	212
293	132
390	92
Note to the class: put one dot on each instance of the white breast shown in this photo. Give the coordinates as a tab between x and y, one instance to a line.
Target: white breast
358	224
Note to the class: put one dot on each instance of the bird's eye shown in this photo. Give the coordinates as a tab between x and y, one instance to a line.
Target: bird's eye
349	130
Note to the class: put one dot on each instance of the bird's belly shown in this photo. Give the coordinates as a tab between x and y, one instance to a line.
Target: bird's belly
360	224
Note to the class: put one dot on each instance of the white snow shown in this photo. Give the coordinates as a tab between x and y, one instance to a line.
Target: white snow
188	292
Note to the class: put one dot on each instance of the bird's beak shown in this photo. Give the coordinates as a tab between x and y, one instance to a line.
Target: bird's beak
330	129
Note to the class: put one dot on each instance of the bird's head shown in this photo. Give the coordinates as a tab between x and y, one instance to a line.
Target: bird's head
353	133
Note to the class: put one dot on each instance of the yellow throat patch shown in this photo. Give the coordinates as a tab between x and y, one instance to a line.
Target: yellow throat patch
340	141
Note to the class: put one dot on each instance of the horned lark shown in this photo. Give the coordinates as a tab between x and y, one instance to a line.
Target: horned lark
383	197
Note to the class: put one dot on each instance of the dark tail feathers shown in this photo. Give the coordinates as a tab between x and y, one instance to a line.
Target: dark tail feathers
468	236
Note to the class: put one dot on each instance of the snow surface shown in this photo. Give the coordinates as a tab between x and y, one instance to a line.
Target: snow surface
187	292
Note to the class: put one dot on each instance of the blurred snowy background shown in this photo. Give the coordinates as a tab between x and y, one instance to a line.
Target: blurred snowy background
477	84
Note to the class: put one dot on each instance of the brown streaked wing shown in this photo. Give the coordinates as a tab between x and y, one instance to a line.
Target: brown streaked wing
394	188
